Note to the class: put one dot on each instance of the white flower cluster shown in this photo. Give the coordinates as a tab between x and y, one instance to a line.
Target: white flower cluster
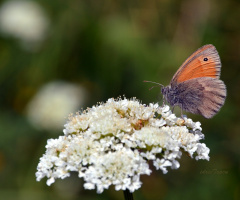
113	143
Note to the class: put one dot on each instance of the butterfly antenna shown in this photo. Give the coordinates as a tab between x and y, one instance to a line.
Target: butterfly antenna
158	84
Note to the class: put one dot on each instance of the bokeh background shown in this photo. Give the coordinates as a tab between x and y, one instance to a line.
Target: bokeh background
58	57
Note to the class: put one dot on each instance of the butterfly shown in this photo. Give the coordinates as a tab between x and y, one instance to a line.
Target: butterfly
196	87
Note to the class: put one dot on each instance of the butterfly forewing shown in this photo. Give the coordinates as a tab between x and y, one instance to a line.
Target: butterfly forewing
205	62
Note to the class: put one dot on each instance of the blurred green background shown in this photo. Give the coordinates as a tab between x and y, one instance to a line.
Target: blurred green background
57	57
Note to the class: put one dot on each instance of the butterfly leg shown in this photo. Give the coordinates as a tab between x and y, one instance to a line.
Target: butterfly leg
182	114
163	101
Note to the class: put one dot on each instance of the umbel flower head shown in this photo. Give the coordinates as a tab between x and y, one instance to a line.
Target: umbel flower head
114	142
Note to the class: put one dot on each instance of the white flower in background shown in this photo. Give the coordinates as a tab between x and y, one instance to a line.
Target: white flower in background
24	20
112	144
50	106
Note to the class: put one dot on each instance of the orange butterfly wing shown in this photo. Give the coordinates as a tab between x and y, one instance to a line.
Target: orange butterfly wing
205	62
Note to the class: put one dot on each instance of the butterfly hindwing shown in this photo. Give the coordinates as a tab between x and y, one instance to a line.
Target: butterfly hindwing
203	96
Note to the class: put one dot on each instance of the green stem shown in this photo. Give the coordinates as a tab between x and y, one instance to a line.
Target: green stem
128	195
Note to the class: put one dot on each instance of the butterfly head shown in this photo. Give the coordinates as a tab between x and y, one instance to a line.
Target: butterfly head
165	90
169	94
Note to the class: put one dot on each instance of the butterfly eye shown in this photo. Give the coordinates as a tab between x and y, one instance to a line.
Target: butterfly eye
205	59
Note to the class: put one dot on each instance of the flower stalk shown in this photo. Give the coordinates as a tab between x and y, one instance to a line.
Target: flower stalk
128	195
